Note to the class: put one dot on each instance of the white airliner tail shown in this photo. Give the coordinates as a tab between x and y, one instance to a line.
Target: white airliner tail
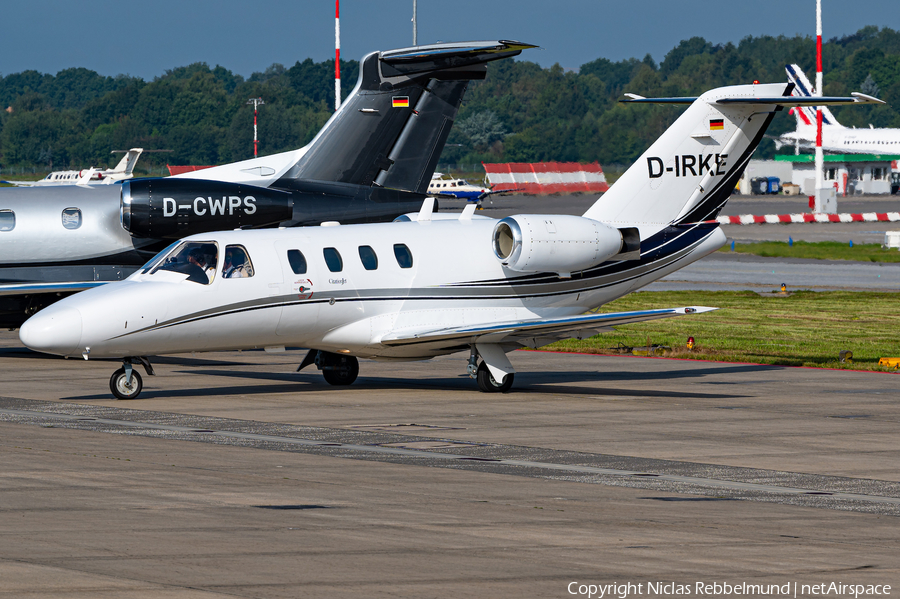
806	115
689	173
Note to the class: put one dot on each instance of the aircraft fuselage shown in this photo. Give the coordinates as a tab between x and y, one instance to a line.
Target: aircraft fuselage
391	278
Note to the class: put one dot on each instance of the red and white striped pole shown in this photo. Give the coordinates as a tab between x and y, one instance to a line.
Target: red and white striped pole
256	103
820	158
337	54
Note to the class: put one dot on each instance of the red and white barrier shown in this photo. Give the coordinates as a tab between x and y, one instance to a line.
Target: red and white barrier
546	177
180	170
774	219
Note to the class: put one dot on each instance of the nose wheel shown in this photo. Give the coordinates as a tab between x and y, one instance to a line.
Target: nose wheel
126	385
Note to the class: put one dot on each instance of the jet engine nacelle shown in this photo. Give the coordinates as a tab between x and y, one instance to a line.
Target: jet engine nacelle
560	243
174	208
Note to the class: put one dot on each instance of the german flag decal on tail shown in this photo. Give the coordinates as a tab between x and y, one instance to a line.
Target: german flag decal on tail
400	102
714	124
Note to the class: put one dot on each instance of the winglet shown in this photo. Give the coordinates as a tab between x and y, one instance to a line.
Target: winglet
864	98
468	211
427	209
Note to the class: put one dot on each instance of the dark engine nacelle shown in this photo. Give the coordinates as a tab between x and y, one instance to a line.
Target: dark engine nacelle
174	208
560	243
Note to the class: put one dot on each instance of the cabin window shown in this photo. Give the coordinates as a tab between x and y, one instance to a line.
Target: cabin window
368	258
7	220
403	255
830	175
333	260
71	218
236	264
196	259
297	261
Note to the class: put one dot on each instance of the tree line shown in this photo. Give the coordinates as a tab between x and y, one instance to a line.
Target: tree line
521	112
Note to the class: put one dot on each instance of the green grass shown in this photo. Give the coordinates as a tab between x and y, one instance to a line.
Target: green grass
802	329
823	250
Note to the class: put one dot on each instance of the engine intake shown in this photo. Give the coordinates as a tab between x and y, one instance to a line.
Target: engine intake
560	243
174	208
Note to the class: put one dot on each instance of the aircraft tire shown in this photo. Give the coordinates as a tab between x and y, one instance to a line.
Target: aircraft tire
345	374
488	384
120	389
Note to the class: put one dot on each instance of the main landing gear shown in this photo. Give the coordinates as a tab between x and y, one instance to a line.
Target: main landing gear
483	374
126	383
338	369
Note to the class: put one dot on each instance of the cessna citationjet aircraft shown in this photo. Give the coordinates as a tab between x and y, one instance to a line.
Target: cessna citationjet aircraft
430	284
835	137
372	161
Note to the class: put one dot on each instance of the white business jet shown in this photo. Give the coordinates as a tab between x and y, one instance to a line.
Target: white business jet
432	283
122	171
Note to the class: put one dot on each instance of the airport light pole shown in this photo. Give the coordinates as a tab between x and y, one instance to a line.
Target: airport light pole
415	26
337	54
821	203
257	102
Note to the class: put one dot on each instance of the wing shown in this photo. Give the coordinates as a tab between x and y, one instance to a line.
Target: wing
20	183
523	330
35	288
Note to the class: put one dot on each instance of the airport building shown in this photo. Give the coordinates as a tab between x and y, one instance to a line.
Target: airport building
850	174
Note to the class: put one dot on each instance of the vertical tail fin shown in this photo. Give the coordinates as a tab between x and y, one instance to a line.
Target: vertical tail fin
689	173
392	128
126	165
806	115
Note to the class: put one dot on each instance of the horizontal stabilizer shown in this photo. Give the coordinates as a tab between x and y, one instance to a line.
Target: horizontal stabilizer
509	331
855	98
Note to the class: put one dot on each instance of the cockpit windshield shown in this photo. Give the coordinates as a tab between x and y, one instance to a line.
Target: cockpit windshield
157	258
196	259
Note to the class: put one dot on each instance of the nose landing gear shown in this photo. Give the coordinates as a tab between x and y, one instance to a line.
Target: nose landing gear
126	383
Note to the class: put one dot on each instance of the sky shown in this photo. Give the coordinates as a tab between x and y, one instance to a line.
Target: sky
144	39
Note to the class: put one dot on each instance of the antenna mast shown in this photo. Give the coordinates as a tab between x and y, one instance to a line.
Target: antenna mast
337	54
257	102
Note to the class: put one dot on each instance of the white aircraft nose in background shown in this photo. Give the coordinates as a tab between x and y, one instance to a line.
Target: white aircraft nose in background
55	331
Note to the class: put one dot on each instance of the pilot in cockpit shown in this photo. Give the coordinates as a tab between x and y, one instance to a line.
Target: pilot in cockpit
236	264
198	260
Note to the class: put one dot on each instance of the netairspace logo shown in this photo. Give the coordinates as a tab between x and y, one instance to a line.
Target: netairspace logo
720	589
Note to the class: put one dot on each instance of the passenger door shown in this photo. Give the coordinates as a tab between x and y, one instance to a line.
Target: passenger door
300	310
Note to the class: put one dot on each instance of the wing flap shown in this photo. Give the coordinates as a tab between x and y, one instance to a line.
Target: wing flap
556	327
36	288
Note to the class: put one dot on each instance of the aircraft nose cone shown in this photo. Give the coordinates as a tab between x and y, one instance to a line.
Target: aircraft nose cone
53	331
